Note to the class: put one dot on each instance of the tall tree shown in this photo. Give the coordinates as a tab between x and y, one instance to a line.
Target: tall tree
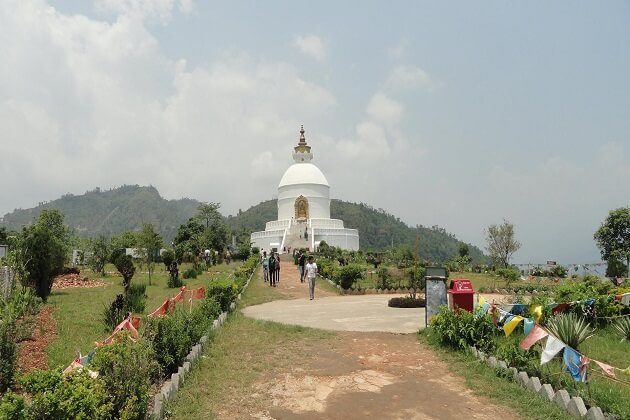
149	243
613	240
209	212
501	243
100	253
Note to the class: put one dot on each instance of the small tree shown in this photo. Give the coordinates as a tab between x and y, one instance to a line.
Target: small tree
149	243
168	257
464	251
501	243
209	212
100	254
613	240
417	279
124	265
509	275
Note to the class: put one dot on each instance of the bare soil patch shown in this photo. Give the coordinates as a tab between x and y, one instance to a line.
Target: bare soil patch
67	281
32	352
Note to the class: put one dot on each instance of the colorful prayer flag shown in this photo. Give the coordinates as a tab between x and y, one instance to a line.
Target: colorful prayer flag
528	325
537	311
572	363
552	347
535	335
607	369
509	326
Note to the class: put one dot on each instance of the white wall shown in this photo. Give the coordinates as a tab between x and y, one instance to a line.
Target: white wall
318	197
343	238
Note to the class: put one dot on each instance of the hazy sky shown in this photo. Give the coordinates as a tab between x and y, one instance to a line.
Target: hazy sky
451	113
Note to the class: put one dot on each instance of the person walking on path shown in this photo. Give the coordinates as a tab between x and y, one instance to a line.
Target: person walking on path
277	268
311	273
301	263
265	264
272	270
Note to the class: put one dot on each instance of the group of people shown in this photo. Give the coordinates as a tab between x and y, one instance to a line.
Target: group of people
306	266
271	268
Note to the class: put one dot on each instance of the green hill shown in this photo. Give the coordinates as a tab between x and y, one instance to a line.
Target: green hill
126	208
377	229
113	211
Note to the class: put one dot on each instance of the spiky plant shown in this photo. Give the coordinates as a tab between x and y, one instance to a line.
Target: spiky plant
622	325
571	329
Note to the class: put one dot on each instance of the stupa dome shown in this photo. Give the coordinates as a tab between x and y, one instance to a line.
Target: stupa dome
303	173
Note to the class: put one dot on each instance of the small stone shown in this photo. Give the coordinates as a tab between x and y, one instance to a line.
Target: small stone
502	365
562	398
473	350
203	339
182	374
514	372
546	391
176	380
492	361
595	413
232	306
534	384
215	324
157	406
576	407
481	355
166	391
523	379
186	367
239	296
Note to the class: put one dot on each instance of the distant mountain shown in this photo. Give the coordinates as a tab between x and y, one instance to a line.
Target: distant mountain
377	229
113	211
126	208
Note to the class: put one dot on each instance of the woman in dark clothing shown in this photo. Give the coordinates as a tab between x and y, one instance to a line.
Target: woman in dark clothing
272	270
277	268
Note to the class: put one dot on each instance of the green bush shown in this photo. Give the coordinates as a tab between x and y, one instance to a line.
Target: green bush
169	339
190	273
460	329
12	407
117	310
8	353
384	278
127	370
326	268
75	396
223	291
348	275
509	351
570	328
406	302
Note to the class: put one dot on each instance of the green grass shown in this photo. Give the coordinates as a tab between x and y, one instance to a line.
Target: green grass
78	311
242	351
483	380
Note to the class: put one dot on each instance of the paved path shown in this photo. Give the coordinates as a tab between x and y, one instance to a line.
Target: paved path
342	313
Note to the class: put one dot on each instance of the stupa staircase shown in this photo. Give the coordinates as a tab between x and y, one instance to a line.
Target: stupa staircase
295	237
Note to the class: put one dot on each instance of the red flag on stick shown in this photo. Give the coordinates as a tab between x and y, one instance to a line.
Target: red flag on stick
162	310
536	334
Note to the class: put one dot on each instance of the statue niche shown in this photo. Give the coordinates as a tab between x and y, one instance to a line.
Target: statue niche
301	208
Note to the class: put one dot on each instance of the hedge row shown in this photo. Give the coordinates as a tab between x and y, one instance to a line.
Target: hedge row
127	370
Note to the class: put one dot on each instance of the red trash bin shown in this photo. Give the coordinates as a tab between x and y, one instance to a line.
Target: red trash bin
461	295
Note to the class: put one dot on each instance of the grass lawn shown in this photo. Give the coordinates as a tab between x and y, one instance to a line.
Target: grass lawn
241	351
78	310
483	380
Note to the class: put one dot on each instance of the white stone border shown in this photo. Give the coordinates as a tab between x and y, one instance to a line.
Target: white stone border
169	388
572	405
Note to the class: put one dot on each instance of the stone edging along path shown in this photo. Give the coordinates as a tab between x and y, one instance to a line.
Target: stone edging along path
171	386
572	405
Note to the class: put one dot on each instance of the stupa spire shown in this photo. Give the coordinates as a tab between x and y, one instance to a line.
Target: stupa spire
302	152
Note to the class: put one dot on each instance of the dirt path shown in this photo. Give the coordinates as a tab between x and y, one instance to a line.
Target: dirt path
366	375
32	352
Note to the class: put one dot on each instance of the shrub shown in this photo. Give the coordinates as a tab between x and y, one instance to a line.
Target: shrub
460	329
509	275
134	302
417	280
127	369
570	329
75	396
190	273
223	291
348	275
12	406
169	339
174	281
509	351
384	278
622	327
8	352
326	268
256	251
199	321
406	302
124	265
168	257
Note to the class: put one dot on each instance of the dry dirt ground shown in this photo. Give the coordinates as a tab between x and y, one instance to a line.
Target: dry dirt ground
366	375
32	351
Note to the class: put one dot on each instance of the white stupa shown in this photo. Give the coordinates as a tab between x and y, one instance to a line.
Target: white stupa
304	210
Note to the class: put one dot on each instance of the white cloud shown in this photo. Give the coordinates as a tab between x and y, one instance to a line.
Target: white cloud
409	77
399	50
143	9
384	109
87	103
312	46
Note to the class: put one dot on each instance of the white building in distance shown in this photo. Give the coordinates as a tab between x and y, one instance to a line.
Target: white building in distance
304	210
